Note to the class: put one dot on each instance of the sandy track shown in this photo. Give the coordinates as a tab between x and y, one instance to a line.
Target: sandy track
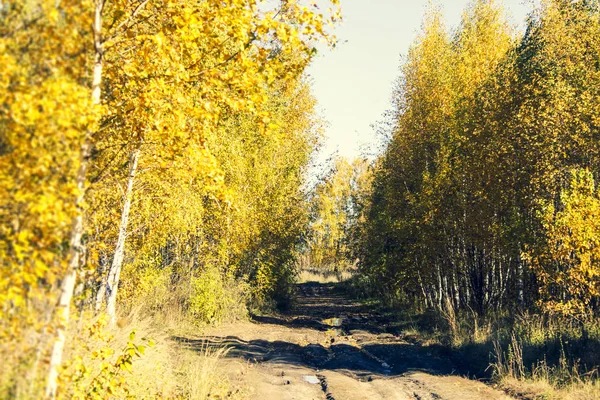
330	347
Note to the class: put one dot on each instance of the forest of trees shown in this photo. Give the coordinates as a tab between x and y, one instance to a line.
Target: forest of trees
335	212
479	219
154	157
485	197
152	154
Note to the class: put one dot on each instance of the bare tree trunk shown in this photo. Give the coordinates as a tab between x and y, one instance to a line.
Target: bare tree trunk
101	293
80	286
440	287
423	290
456	289
520	280
112	283
68	282
67	287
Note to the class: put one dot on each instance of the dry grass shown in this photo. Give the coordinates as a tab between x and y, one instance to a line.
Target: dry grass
20	368
323	277
533	356
204	375
563	381
166	370
449	315
153	375
540	388
184	373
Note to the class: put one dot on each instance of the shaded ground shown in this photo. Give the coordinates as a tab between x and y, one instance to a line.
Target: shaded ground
330	347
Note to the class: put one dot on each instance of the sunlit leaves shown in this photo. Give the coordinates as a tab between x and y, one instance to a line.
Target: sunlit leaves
174	74
567	261
336	209
487	130
42	121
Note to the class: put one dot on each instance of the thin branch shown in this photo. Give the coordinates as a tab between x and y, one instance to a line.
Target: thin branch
125	24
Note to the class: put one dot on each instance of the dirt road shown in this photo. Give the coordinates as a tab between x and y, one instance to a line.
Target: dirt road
330	347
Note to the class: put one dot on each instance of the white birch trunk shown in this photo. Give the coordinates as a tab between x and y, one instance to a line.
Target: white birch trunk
520	281
456	289
112	283
440	288
101	294
67	286
423	290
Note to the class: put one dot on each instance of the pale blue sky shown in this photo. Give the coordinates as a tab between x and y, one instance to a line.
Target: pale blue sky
353	83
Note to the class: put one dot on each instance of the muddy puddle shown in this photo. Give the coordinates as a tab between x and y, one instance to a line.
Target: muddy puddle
334	322
336	326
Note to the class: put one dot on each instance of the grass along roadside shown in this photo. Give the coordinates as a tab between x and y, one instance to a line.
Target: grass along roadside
530	356
135	359
567	378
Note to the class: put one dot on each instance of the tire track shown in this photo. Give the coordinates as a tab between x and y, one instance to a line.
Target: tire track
325	387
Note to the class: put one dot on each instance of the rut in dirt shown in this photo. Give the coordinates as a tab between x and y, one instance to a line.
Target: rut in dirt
359	341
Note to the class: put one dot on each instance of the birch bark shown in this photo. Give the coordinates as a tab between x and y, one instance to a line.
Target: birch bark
63	309
112	283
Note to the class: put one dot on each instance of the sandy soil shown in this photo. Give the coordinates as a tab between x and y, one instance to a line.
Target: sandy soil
330	347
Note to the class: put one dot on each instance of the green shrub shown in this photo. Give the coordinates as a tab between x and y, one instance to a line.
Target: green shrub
217	297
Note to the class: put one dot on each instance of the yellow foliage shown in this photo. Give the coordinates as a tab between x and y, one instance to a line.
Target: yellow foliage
568	262
173	74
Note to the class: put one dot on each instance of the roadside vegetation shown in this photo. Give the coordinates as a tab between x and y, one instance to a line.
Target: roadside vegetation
479	221
153	181
529	356
152	174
